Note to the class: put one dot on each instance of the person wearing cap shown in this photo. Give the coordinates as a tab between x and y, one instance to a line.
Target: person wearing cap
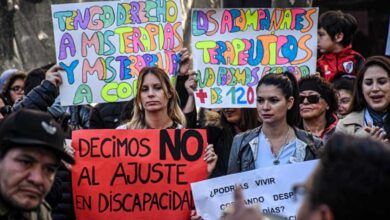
31	149
317	107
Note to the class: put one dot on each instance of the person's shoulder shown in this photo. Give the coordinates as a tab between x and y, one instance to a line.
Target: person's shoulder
251	131
122	127
328	58
45	211
350	54
213	130
356	117
356	54
46	206
307	137
246	136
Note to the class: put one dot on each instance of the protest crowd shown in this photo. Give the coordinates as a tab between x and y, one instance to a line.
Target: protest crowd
55	147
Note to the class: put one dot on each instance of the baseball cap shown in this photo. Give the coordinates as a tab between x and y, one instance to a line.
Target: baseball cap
28	127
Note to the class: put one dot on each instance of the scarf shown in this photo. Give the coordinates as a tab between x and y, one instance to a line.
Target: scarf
377	117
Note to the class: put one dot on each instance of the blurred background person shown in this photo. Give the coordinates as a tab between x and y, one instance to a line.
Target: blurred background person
343	87
350	169
13	89
229	123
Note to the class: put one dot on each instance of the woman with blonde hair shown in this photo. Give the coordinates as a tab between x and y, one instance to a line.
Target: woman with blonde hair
156	106
156	103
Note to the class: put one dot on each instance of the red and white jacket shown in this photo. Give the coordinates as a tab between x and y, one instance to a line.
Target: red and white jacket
346	62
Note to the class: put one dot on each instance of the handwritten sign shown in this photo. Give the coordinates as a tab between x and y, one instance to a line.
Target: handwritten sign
233	48
137	174
104	45
271	188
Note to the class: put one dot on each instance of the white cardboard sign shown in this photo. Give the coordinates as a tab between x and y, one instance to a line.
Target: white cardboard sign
270	187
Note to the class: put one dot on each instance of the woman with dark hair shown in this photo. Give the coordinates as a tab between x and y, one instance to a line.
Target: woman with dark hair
232	121
277	140
317	106
13	89
371	103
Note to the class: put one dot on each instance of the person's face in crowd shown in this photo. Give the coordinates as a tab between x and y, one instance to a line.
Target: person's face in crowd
344	99
272	105
376	88
153	97
324	41
232	115
311	105
17	90
27	174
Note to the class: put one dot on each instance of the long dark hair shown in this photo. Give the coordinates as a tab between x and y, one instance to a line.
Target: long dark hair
288	84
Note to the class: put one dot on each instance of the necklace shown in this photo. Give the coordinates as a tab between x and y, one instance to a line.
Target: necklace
277	161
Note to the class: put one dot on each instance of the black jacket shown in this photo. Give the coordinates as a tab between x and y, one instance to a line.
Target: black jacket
110	115
64	209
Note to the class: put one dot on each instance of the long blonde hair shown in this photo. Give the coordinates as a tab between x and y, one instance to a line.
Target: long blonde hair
174	112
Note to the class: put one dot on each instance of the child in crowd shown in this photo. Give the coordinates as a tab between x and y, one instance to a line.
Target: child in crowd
335	32
344	90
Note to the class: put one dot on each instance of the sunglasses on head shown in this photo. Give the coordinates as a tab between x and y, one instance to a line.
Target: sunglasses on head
312	99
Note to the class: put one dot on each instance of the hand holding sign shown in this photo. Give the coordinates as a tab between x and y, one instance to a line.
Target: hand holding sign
191	83
211	158
53	75
142	174
103	46
185	62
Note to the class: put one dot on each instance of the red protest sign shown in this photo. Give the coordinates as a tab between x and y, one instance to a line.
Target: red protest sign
136	174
